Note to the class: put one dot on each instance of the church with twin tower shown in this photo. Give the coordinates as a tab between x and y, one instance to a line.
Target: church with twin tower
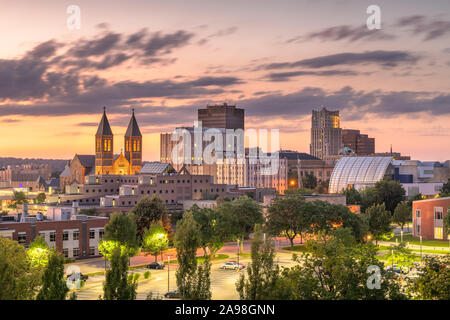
127	163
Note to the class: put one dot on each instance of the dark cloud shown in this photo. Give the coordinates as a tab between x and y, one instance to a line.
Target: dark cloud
430	28
287	76
379	57
95	47
87	124
344	32
164	43
10	120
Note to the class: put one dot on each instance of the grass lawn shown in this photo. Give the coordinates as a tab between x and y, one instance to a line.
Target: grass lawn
416	241
297	248
416	251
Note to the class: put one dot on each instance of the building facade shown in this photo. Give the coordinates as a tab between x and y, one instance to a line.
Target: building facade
361	144
221	116
326	134
428	218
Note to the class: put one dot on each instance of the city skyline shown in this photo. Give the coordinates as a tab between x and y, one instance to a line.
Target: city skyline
166	60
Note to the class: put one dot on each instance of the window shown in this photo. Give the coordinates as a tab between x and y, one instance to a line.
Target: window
52	236
438	233
76	252
76	235
438	213
65	235
92	251
91	234
417	213
22	238
101	233
66	252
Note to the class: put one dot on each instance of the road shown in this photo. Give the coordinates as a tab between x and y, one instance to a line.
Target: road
222	281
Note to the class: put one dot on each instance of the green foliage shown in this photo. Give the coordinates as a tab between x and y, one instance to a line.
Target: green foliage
352	195
150	210
40	198
18	198
309	181
118	285
389	192
39	252
288	216
18	280
215	227
262	273
447	222
245	213
336	270
368	198
107	247
54	286
446	188
122	228
402	214
193	280
400	255
299	191
378	220
433	282
155	239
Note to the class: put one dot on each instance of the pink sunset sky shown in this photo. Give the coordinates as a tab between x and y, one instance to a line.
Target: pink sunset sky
278	60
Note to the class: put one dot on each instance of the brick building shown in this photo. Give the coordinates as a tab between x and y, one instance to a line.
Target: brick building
361	144
75	236
428	218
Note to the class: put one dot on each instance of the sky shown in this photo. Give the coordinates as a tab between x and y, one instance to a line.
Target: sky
279	60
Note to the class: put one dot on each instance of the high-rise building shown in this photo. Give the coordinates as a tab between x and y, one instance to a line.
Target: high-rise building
221	116
361	144
326	134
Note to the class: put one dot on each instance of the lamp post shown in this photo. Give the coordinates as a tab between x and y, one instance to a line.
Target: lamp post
238	252
168	273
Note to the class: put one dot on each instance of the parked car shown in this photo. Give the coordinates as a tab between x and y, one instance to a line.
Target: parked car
156	265
77	275
232	265
172	295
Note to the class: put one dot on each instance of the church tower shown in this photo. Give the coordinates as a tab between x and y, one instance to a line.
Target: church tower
133	146
104	141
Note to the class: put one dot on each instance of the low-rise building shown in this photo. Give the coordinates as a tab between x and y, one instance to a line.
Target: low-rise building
428	218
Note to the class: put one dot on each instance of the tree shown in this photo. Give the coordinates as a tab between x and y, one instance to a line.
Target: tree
245	213
389	192
402	214
368	198
53	285
215	227
150	210
309	181
262	273
323	187
193	280
378	220
447	223
39	252
288	216
446	188
18	198
18	280
122	228
337	270
40	198
155	239
118	285
433	281
352	196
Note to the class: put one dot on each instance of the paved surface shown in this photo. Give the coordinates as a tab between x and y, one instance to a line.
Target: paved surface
223	282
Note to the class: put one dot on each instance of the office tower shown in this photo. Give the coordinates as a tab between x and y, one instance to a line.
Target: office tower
361	144
221	116
326	139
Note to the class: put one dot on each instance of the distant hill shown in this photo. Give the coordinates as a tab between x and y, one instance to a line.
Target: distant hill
56	164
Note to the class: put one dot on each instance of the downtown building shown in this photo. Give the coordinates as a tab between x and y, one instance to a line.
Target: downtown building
326	134
359	143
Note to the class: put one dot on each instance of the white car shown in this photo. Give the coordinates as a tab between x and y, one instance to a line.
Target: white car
232	265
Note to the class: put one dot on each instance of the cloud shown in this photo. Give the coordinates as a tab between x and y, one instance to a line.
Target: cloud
287	76
10	120
430	28
95	47
379	57
344	32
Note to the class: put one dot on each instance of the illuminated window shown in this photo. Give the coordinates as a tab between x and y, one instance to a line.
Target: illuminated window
438	233
134	145
109	145
138	146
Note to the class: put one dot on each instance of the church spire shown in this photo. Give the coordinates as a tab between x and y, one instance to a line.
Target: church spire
133	128
104	128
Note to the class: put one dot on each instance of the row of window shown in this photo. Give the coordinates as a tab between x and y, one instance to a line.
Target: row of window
76	252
